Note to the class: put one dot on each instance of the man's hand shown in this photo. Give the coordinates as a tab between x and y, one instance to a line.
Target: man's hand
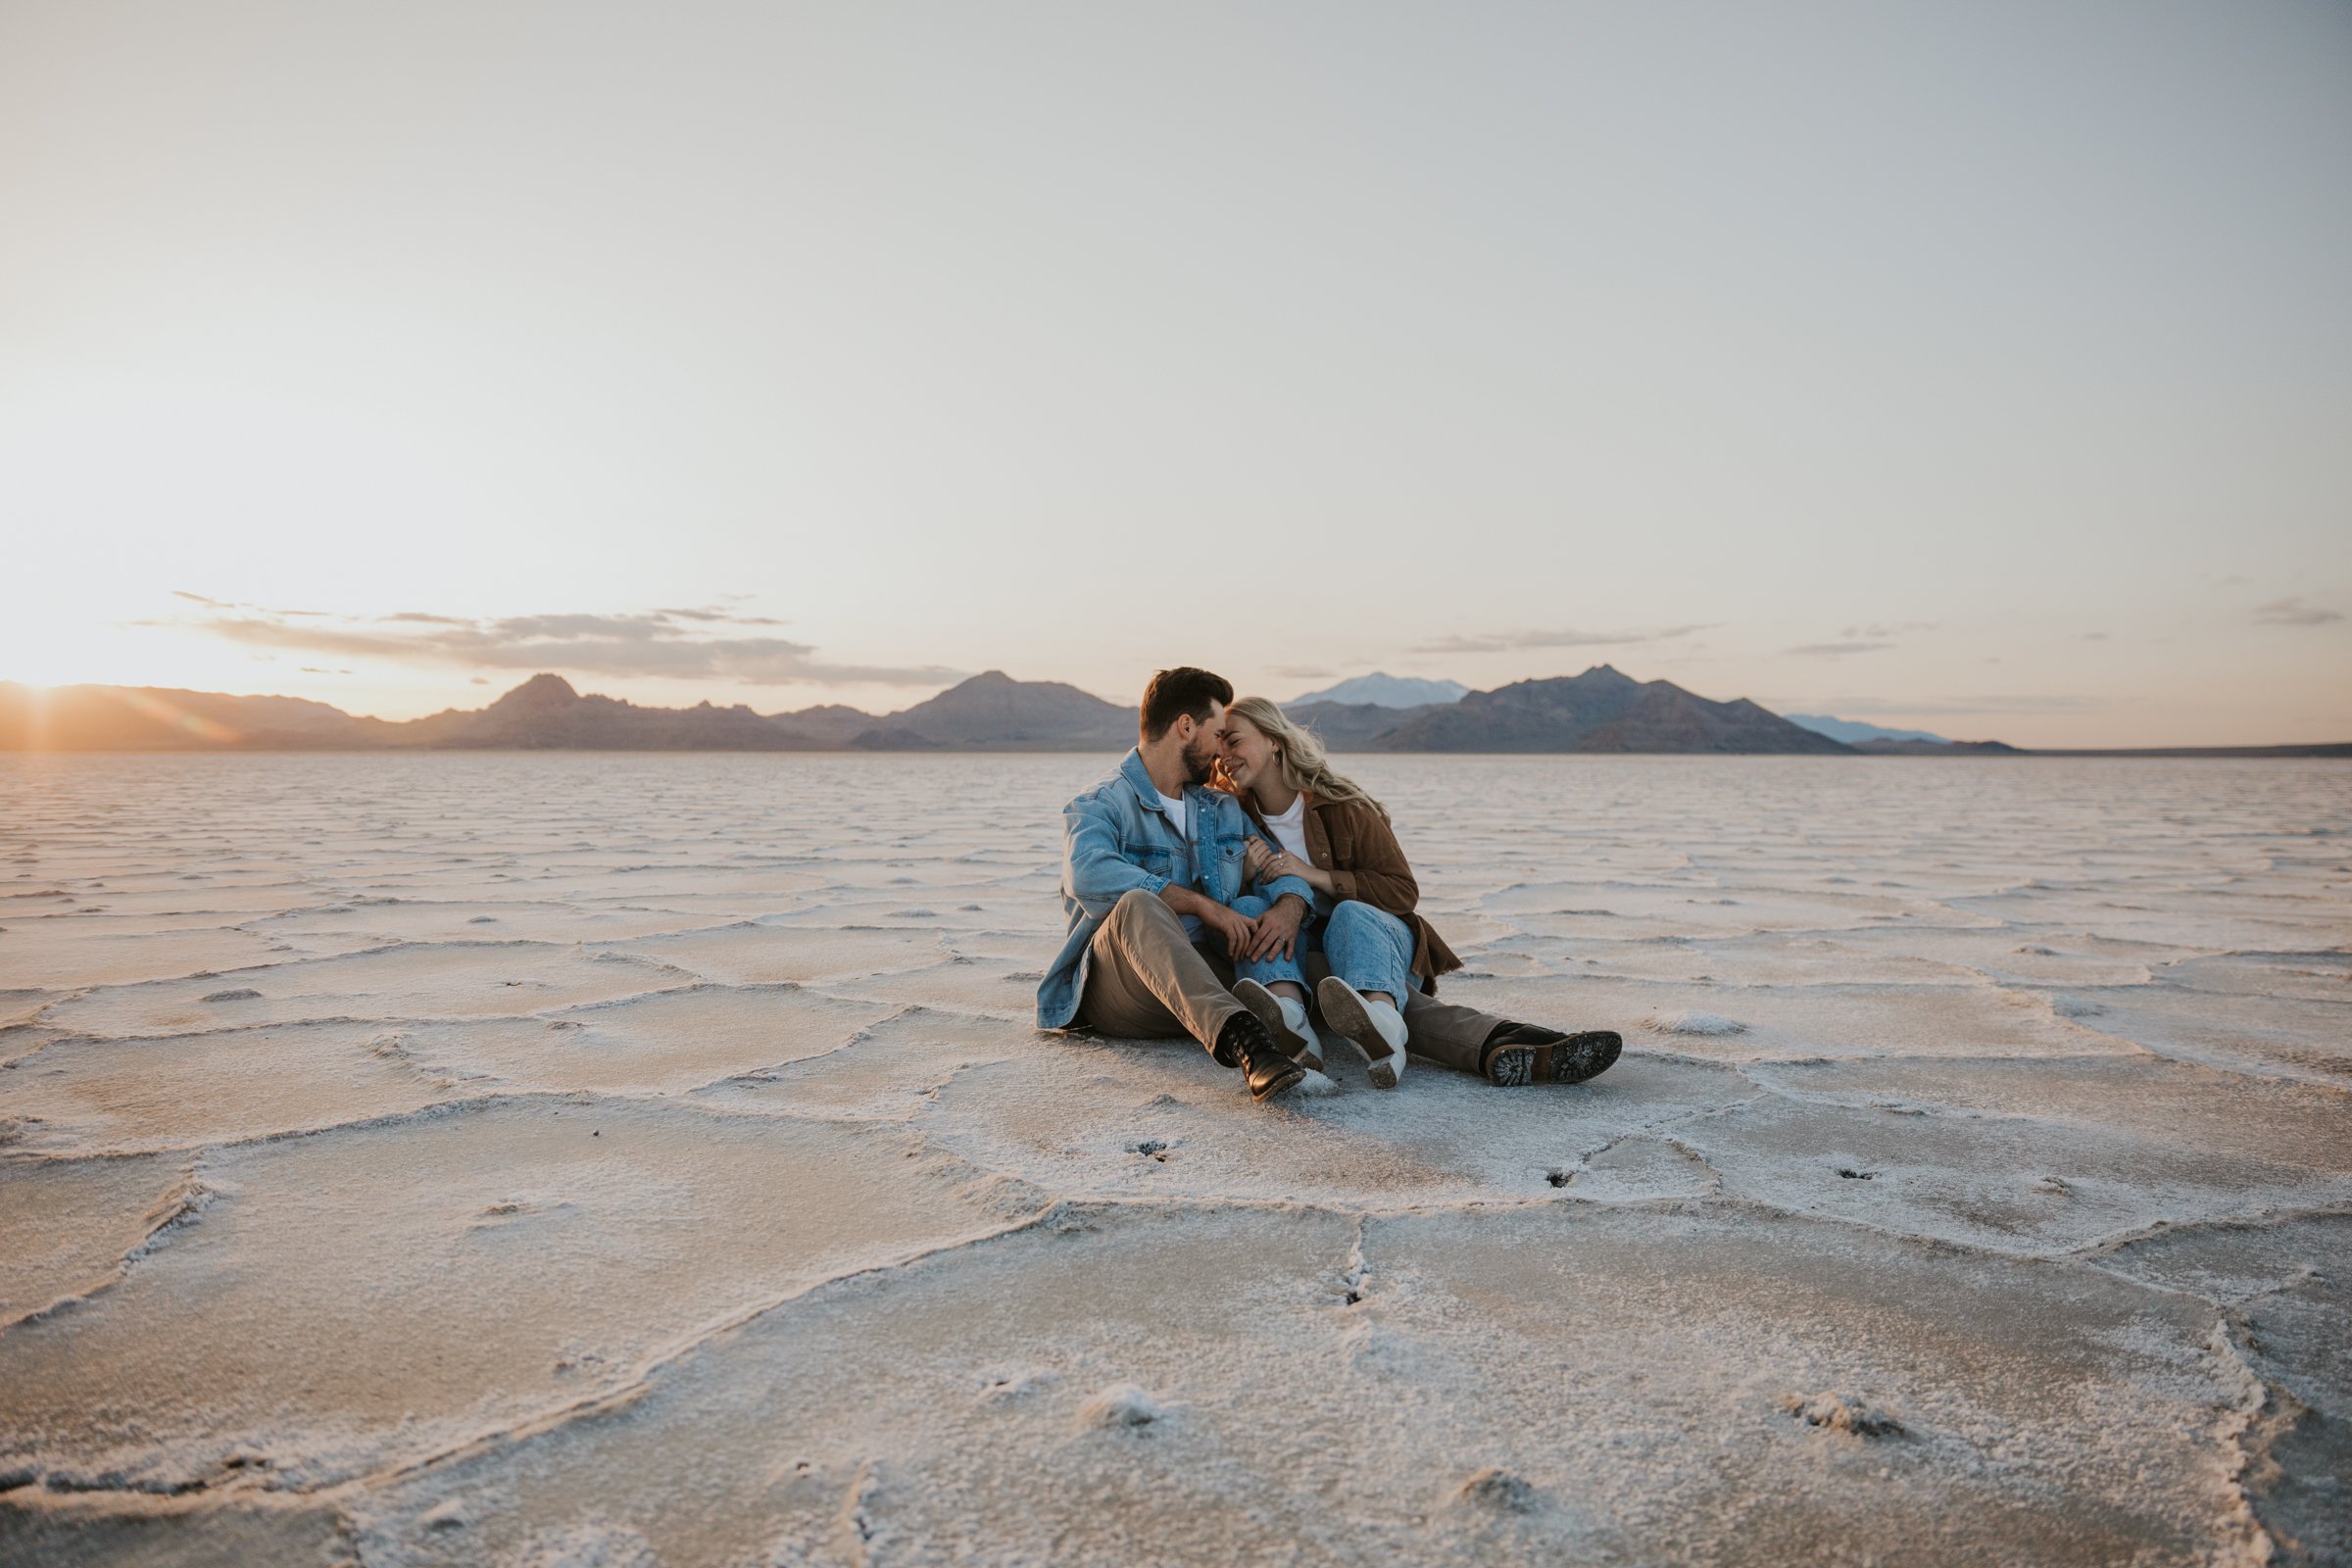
1275	933
1230	925
1235	928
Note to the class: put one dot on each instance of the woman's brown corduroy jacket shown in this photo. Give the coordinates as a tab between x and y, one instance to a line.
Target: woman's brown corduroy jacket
1355	843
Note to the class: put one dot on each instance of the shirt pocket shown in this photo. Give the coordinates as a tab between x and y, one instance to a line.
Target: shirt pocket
1151	857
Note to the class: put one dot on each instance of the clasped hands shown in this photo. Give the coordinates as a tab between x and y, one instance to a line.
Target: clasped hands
1262	863
1272	935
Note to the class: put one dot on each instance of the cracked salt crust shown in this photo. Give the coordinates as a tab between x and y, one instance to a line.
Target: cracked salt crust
613	1166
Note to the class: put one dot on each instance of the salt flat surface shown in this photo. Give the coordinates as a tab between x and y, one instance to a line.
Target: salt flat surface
575	1161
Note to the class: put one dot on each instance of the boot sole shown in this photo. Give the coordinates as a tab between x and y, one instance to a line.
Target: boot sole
1266	1008
1571	1061
1345	1011
1281	1085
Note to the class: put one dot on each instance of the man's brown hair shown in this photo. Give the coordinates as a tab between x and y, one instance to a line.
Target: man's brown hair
1176	691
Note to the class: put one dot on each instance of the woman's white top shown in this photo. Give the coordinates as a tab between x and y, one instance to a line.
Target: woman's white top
1290	828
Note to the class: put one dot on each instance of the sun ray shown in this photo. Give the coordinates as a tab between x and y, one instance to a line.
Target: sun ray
168	713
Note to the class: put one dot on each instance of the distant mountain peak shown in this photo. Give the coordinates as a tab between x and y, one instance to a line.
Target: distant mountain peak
1381	689
542	690
993	710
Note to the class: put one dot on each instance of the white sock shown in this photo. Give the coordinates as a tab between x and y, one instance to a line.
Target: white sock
1389	1021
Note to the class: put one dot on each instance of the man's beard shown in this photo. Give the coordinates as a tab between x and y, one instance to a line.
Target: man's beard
1200	757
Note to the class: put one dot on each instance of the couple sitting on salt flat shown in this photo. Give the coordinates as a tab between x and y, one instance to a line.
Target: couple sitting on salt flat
1224	866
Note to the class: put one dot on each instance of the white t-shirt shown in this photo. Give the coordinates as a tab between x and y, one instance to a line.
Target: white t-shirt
1180	813
1290	828
1179	818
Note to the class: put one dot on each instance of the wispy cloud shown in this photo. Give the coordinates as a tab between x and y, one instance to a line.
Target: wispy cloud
1882	632
706	614
1301	671
225	604
669	644
1836	650
2294	611
1558	637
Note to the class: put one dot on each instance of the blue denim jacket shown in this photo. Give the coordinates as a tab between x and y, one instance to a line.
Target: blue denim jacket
1116	837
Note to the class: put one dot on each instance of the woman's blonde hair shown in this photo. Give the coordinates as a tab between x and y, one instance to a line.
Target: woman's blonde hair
1304	767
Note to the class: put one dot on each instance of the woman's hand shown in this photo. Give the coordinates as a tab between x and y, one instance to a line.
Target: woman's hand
1281	863
1255	859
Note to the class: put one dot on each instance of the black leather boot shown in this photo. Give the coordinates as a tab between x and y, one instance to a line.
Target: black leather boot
1244	1044
1530	1054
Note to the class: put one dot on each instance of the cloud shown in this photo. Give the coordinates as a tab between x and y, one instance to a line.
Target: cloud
709	614
228	604
1301	671
669	644
2094	636
2294	611
1563	637
1836	650
1881	634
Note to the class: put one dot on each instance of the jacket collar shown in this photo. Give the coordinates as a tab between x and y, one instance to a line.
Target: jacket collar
1138	779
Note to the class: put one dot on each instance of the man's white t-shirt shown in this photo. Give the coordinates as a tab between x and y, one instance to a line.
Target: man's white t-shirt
1179	818
1179	813
1290	828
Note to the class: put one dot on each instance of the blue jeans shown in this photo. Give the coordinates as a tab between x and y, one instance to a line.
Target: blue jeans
1267	971
1371	949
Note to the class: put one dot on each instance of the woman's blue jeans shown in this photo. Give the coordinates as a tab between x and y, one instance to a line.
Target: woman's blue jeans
1370	949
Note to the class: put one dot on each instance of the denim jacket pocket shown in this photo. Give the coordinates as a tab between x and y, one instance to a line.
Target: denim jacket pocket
1231	879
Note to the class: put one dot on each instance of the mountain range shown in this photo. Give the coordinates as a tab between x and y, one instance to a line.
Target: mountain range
1602	710
990	712
1598	710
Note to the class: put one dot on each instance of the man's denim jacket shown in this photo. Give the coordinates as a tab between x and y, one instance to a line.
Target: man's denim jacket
1116	837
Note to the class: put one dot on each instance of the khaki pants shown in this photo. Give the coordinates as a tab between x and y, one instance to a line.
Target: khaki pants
1445	1032
1145	980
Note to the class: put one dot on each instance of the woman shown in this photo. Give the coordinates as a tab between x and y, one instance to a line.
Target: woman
1336	838
1379	951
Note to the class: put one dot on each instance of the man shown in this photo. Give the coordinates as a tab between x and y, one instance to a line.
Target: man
1152	863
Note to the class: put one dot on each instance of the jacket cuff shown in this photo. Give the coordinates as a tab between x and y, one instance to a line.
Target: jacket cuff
1290	884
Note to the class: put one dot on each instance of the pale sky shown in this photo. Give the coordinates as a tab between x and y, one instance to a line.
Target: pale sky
1986	367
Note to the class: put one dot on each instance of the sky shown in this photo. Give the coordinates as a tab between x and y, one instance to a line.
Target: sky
1983	368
